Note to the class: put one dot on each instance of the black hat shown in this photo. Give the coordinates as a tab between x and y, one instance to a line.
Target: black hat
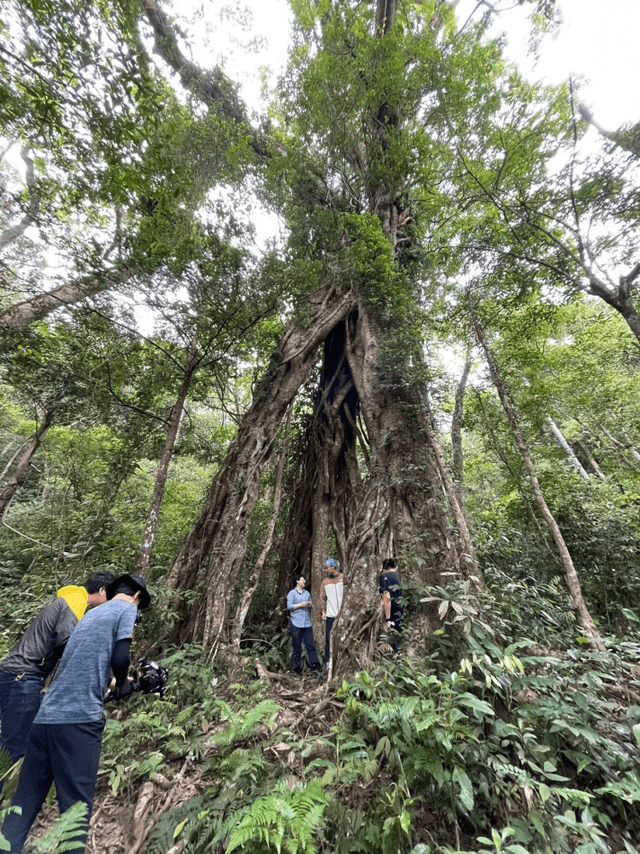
135	581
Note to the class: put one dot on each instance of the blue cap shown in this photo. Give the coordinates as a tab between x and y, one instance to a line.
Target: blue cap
330	562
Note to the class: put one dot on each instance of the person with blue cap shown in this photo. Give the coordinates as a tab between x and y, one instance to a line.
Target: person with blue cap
331	592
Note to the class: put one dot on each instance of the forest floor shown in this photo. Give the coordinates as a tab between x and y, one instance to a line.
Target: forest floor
539	750
120	823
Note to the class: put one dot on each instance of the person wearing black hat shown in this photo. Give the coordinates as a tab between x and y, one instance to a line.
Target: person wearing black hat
66	737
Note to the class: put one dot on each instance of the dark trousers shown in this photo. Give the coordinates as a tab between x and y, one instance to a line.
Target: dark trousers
67	755
298	636
327	635
19	704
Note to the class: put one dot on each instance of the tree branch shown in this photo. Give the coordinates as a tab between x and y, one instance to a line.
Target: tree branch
11	234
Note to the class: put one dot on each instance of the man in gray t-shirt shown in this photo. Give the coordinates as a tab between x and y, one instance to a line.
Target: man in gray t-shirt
66	736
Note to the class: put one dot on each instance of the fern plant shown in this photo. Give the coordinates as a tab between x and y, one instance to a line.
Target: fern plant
244	725
63	835
282	820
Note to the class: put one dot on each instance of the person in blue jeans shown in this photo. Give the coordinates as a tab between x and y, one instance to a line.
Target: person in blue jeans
299	607
24	669
66	736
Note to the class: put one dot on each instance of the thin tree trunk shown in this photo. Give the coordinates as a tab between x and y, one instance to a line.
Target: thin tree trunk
592	461
468	563
621	446
9	465
22	314
12	233
566	447
254	577
24	460
175	416
571	575
456	434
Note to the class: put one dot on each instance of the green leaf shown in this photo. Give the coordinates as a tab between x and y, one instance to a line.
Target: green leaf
179	828
481	706
545	792
466	788
405	821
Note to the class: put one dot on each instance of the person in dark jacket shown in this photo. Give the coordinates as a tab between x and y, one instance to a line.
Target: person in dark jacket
391	594
23	670
66	737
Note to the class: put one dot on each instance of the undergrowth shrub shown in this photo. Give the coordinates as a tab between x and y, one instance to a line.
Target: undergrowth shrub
486	740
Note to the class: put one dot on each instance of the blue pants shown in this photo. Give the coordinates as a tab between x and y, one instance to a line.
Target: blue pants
67	755
19	704
299	635
327	635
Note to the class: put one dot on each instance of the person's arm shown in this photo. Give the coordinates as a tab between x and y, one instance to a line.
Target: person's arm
293	607
120	661
323	598
58	650
65	624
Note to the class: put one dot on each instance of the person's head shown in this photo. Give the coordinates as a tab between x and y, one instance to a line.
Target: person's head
331	566
130	588
300	581
96	586
389	563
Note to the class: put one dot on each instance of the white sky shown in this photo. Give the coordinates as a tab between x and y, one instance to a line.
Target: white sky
598	40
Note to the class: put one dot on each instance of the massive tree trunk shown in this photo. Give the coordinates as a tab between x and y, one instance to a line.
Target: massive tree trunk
372	477
252	582
573	582
217	541
398	507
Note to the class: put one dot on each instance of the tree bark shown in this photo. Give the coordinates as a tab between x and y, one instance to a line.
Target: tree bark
254	577
13	458
566	447
24	460
22	314
591	460
456	434
571	575
221	530
387	501
468	564
162	470
15	231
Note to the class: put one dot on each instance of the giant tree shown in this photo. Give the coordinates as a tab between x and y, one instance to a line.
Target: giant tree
360	170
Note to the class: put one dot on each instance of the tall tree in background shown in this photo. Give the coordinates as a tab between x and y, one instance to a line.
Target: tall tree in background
506	399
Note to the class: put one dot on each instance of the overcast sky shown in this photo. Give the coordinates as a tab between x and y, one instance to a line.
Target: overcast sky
597	40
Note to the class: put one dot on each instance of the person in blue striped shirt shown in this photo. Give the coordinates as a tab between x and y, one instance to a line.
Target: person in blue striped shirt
299	607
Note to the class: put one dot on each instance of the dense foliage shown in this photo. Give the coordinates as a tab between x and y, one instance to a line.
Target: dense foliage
142	328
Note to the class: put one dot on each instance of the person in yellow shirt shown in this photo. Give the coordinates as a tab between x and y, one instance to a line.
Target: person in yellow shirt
23	670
